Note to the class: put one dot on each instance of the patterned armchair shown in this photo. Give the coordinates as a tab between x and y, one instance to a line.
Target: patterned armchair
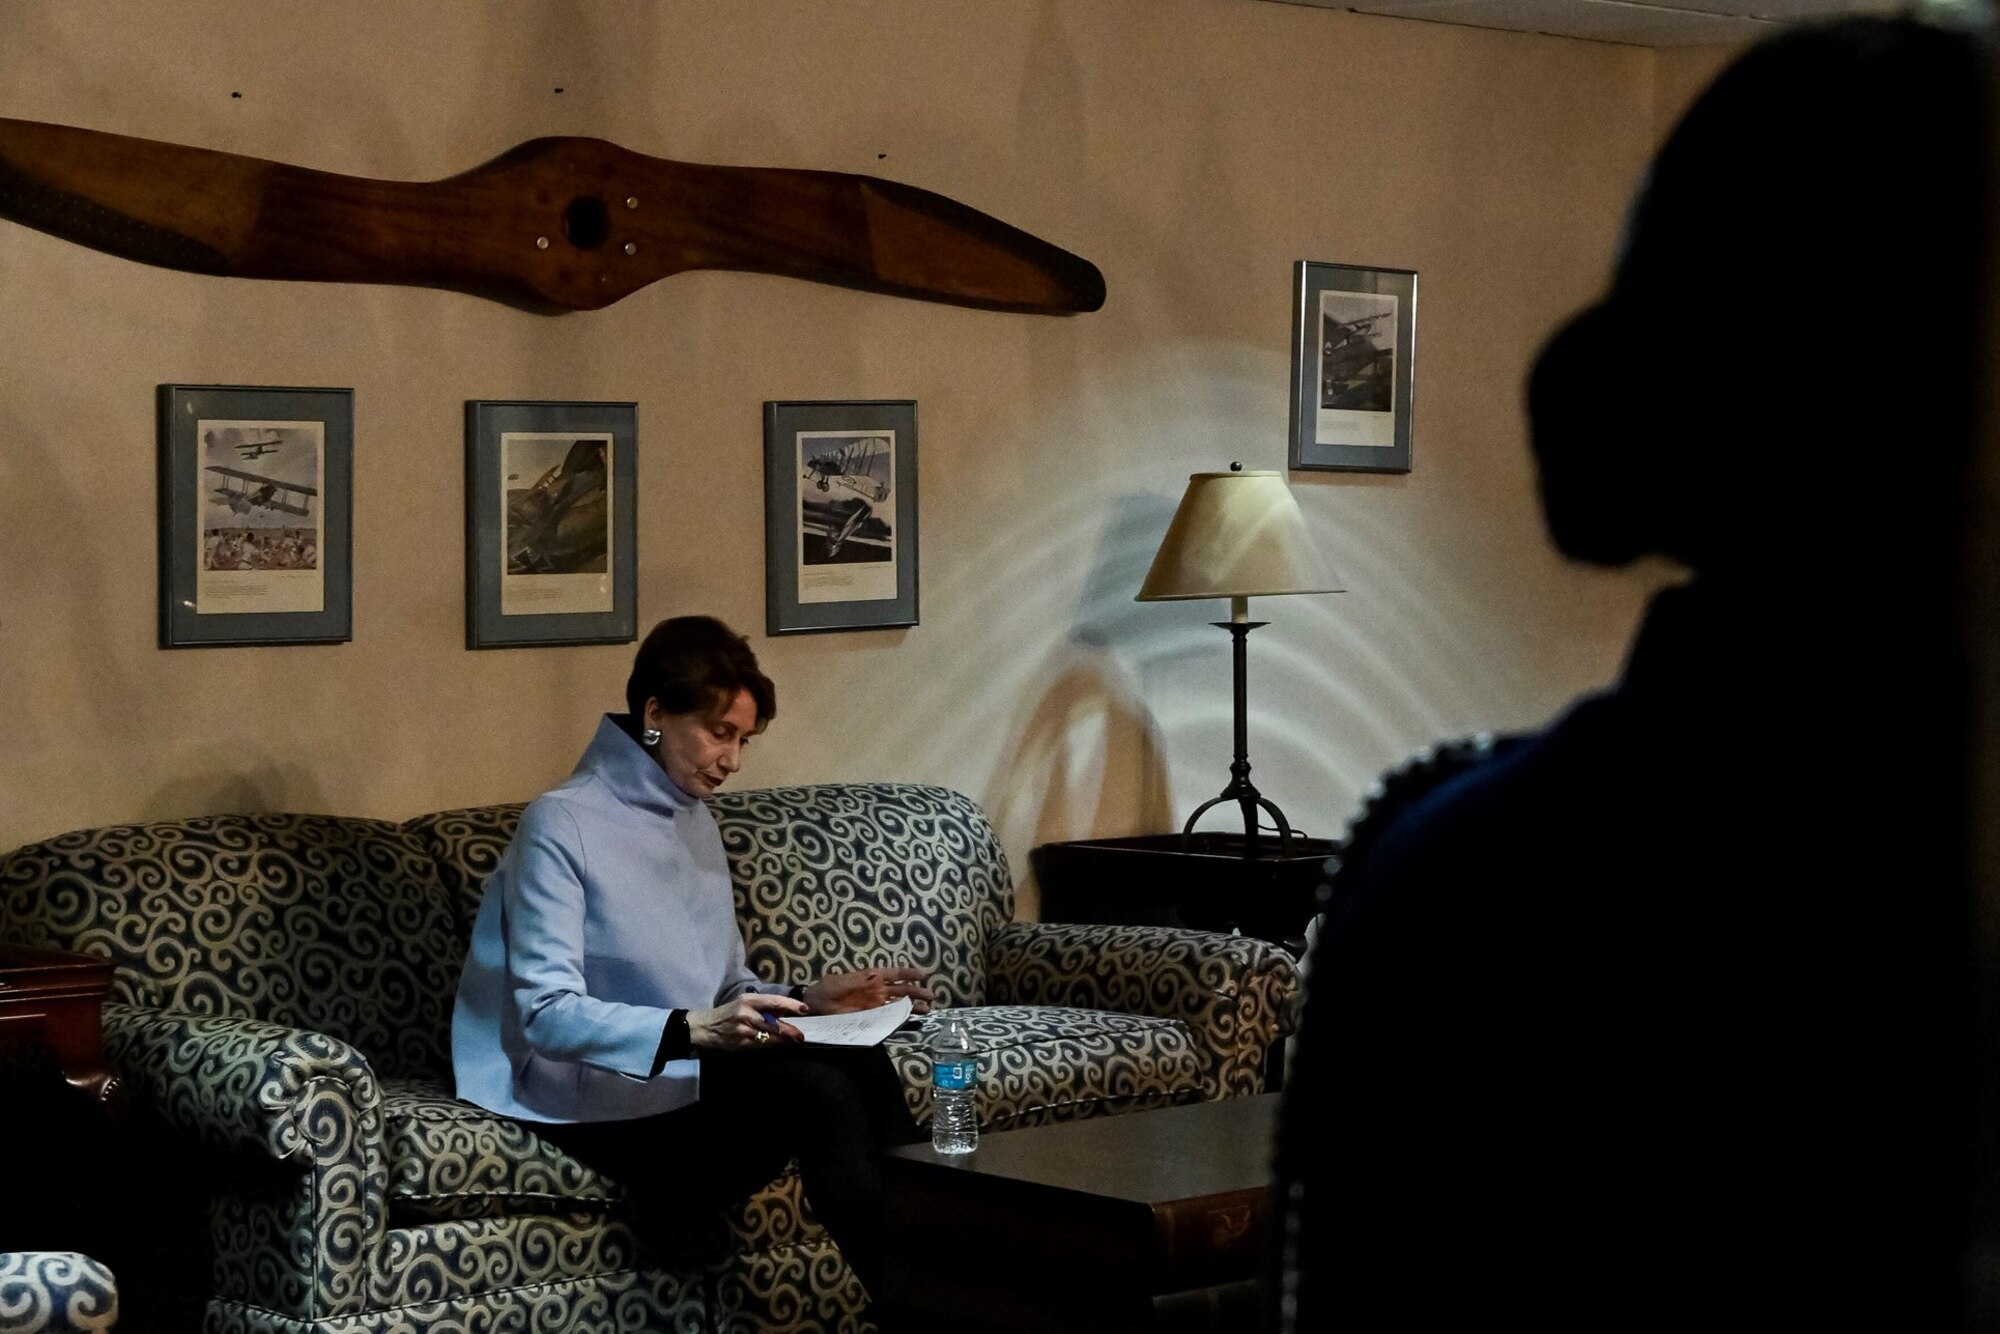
284	998
55	1292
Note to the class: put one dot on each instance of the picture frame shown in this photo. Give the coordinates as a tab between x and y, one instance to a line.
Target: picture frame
1354	358
551	523
840	515
255	515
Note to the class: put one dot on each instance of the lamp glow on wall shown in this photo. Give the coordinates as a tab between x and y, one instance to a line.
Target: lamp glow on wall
1238	535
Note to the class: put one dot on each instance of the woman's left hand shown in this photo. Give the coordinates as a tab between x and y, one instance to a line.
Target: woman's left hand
868	988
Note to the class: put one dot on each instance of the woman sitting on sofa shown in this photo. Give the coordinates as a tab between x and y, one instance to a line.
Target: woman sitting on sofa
605	998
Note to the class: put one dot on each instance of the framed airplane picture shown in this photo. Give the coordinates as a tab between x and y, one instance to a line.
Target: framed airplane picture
840	515
255	488
1354	343
551	516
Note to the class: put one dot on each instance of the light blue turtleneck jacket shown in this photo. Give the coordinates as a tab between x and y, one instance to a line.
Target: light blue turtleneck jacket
610	910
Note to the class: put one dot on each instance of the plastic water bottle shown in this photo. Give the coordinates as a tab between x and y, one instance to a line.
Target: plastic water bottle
954	1083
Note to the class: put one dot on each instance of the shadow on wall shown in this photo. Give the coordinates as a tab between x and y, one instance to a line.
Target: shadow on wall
1087	714
1091	731
233	780
47	644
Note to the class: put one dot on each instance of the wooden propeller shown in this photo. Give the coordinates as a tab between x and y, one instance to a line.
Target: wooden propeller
552	225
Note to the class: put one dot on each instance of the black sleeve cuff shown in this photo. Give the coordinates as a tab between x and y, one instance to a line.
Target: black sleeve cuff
675	1042
797	993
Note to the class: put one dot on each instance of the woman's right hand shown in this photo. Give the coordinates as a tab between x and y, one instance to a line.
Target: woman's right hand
751	1020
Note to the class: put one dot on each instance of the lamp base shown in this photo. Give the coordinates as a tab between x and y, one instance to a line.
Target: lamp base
1241	790
1252	801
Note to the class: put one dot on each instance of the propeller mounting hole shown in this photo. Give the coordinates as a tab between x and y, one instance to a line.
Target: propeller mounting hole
587	222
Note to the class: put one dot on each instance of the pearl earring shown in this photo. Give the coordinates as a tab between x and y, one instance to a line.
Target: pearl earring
650	737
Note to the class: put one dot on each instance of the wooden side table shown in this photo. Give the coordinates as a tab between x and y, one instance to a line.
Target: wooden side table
1207	884
57	999
60	1139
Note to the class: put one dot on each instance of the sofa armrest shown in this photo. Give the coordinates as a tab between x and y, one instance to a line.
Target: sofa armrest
1230	991
245	1084
303	1105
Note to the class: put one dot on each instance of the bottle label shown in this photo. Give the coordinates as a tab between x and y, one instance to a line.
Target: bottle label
954	1076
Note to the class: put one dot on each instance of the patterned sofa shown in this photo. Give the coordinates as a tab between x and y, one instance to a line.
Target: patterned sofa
283	1003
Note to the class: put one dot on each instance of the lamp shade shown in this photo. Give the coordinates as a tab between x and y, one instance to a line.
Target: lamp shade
1236	534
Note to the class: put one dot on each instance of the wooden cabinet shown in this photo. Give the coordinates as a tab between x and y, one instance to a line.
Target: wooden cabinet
1204	882
57	999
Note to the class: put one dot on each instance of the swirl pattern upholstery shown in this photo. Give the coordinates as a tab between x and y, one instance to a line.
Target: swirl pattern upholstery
854	875
466	845
283	1007
333	925
290	1096
1230	992
450	1159
55	1292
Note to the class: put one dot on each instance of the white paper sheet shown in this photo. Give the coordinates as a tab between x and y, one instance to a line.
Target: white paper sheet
861	1028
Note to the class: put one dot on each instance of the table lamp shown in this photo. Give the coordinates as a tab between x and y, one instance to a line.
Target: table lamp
1237	535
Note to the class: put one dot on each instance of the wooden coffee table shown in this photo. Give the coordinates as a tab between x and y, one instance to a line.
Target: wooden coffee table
1152	1220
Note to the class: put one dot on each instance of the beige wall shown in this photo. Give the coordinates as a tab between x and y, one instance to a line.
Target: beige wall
1193	148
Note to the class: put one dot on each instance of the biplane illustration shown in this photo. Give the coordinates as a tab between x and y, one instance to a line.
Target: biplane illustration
257	449
251	449
861	465
245	491
561	524
1354	372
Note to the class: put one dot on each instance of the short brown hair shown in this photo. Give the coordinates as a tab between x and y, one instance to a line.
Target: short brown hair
696	664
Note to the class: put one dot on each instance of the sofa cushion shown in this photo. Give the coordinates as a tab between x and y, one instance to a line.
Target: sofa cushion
855	875
466	845
450	1159
544	1274
319	922
1040	1063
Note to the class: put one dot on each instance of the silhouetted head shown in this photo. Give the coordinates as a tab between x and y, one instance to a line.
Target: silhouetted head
1788	341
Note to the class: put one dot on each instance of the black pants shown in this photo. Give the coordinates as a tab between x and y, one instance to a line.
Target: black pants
833	1108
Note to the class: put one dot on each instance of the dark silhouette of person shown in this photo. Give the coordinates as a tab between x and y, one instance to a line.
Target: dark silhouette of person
1655	1018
